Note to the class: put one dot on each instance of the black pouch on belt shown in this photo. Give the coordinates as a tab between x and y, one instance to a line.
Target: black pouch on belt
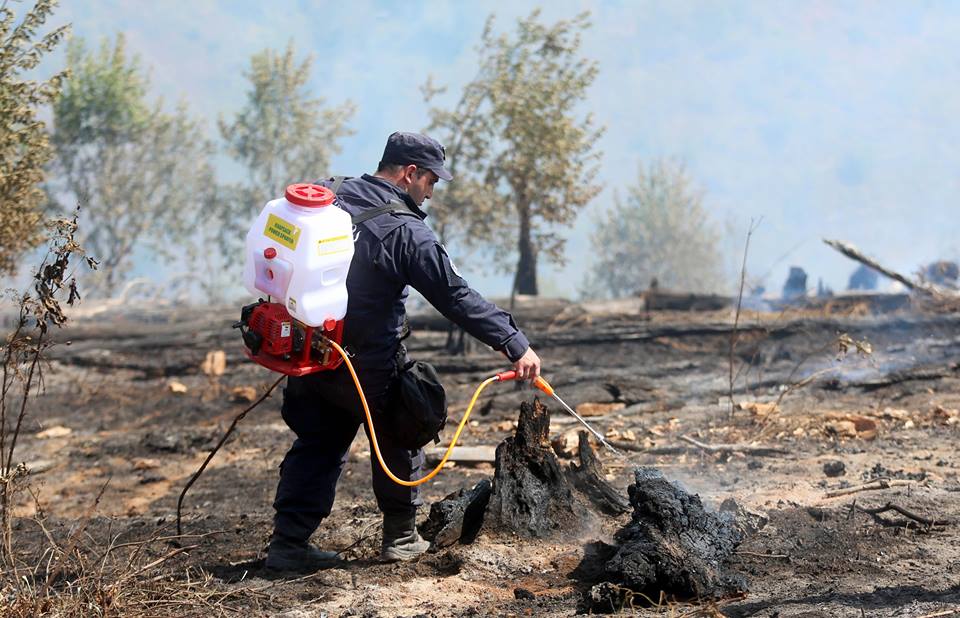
420	409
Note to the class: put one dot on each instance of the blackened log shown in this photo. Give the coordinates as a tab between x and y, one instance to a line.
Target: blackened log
665	300
672	545
458	517
588	479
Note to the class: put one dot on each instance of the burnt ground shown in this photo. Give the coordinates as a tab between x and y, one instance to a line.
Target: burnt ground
645	380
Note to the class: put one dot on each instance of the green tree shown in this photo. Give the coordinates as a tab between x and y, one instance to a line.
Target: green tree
141	174
523	157
24	144
281	135
660	231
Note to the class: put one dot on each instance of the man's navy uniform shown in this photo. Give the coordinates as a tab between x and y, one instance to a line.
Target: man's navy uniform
391	251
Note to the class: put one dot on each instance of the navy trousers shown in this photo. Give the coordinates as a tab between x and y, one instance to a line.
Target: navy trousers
324	410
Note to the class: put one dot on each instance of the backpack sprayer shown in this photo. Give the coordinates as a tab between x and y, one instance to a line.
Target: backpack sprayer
299	251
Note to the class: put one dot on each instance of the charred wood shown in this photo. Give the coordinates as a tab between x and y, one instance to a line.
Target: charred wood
588	479
918	374
532	497
458	517
666	300
671	546
746	449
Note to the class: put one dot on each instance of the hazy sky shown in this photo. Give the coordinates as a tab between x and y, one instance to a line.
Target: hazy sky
827	119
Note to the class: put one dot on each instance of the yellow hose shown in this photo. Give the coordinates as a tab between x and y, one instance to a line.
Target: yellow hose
373	433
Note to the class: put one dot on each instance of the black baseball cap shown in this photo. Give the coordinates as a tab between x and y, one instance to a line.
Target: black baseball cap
415	149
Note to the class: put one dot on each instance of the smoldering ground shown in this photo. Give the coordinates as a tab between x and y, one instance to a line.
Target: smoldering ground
646	381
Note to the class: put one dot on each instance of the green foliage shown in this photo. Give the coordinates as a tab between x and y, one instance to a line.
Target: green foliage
660	231
24	145
139	173
523	158
282	135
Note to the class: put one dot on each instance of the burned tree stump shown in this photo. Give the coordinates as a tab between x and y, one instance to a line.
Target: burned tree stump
458	517
588	479
671	545
531	495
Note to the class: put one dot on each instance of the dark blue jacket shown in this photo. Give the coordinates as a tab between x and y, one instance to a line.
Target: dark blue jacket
395	250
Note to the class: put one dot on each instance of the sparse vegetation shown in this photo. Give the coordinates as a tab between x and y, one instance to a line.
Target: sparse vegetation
24	144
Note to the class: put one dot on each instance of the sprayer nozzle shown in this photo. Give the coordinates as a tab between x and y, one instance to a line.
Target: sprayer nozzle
543	385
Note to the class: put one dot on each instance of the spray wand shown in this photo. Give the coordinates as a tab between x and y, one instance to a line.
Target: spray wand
544	386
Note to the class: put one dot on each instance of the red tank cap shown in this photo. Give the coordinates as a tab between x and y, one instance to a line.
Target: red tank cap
329	324
311	196
269	253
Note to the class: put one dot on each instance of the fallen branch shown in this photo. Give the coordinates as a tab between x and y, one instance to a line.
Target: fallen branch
946	612
676	449
746	449
854	254
639	448
759	555
889	506
162	559
876	484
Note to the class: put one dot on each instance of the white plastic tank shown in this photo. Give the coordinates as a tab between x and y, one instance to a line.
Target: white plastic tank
298	252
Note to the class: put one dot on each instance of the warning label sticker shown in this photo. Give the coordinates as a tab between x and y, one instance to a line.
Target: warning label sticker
284	329
285	233
292	304
334	244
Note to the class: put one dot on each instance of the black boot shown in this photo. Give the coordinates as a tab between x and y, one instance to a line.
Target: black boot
401	541
285	554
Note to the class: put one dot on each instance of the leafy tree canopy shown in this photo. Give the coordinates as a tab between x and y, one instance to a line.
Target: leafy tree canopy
24	144
524	159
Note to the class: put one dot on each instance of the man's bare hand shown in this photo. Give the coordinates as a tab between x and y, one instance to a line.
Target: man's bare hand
528	366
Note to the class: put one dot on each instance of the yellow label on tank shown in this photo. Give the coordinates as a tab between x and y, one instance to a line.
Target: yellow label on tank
285	233
334	244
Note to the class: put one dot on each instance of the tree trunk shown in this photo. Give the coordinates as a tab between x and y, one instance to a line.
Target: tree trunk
525	281
532	497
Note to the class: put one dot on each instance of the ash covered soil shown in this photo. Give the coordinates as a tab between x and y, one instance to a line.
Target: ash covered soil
110	422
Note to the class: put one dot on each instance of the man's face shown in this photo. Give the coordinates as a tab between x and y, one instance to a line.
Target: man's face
420	184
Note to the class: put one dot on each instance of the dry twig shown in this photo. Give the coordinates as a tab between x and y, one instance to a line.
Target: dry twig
889	506
206	462
946	612
760	555
736	317
876	484
746	449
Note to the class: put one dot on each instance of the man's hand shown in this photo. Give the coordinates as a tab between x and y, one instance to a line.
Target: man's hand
528	366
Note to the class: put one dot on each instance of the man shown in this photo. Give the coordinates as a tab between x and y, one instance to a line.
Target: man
392	250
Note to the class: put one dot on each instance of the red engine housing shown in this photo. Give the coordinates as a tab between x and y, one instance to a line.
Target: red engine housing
280	343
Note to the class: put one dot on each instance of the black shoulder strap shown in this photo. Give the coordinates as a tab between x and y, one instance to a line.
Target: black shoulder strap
391	206
337	181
